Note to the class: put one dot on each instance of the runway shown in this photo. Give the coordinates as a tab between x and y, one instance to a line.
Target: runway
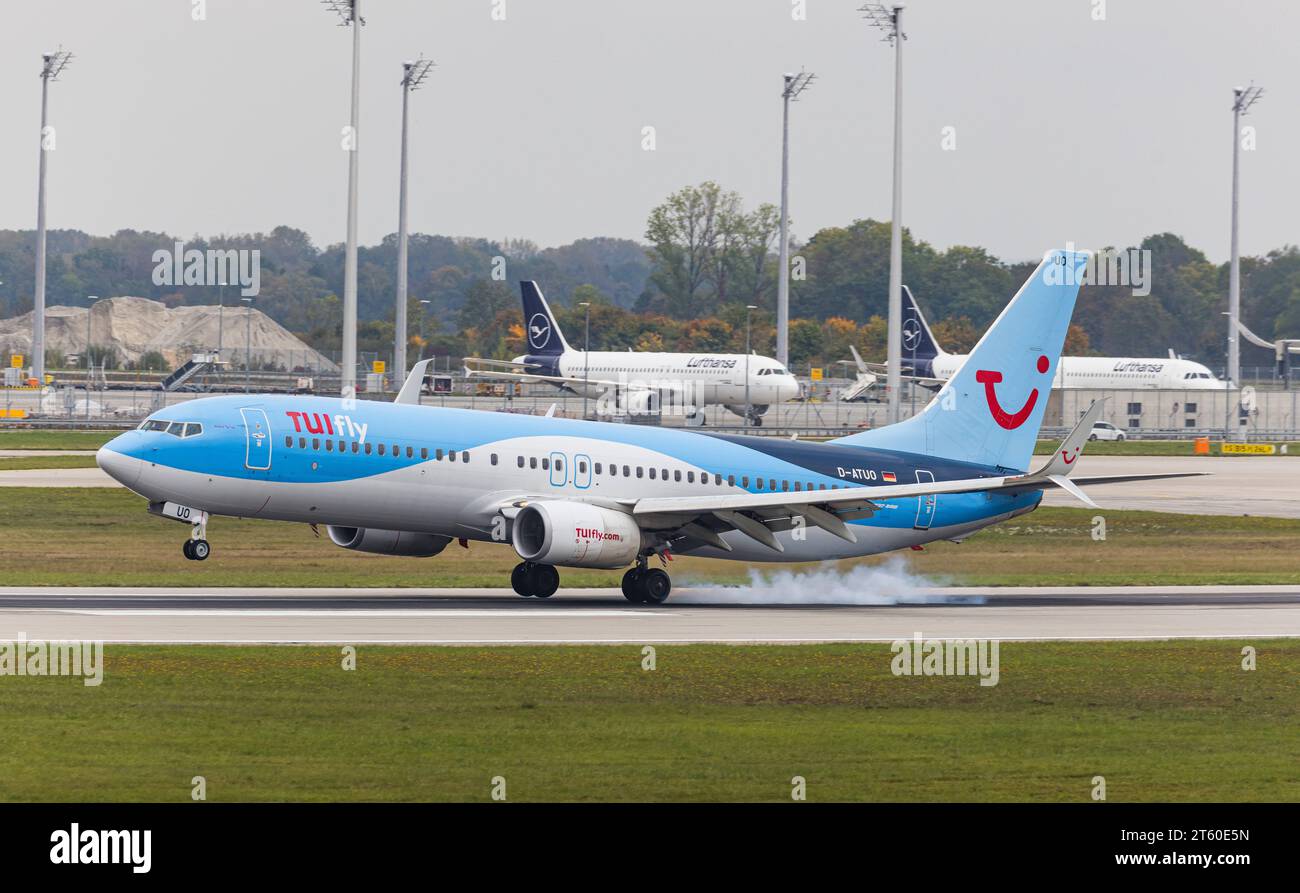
602	616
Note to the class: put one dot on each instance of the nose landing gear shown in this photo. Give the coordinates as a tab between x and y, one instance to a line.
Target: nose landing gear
535	580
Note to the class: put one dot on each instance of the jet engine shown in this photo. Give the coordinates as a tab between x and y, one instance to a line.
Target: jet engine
388	542
575	534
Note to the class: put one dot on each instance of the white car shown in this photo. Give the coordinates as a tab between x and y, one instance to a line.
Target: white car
1105	431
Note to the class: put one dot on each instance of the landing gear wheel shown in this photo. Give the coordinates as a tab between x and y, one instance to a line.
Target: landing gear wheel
521	580
631	585
546	580
758	422
199	549
655	586
186	549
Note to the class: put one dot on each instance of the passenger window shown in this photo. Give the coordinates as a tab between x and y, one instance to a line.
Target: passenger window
559	465
613	470
546	465
382	448
640	472
731	480
582	467
410	453
451	455
520	461
355	446
302	443
717	479
665	474
315	443
627	472
652	473
437	454
397	451
532	461
690	477
759	482
464	457
677	475
494	458
785	486
771	484
369	447
288	441
598	468
424	452
329	446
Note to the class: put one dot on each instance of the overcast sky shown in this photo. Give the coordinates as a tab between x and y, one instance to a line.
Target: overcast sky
1066	128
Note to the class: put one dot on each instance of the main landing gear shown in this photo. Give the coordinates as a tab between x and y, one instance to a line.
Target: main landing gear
644	585
196	548
535	580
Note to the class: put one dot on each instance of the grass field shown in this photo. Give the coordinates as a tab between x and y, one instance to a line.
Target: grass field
22	463
1171	721
31	439
103	537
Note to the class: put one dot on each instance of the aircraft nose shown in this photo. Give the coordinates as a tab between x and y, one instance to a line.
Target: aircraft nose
121	468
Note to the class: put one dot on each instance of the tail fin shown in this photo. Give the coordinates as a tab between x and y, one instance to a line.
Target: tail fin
991	410
543	332
918	340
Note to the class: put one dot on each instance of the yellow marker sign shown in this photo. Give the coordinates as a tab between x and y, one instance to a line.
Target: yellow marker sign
15	361
378	367
1249	449
816	373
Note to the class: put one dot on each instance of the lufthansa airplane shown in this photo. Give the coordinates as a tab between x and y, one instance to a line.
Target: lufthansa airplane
405	479
641	381
930	365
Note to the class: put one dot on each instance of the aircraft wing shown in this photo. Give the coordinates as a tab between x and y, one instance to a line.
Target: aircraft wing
758	515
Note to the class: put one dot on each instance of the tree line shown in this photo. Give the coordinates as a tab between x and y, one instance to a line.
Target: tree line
705	257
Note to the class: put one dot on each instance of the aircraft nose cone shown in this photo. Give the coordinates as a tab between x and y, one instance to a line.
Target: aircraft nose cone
123	469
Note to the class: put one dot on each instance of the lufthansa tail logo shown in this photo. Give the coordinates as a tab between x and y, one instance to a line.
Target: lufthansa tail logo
539	331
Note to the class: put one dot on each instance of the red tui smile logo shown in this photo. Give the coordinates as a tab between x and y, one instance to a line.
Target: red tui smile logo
1008	420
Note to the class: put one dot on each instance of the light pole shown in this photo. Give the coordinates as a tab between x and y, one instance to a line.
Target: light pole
52	66
891	22
413	74
248	344
90	307
586	355
221	312
794	85
749	309
424	311
350	12
1242	100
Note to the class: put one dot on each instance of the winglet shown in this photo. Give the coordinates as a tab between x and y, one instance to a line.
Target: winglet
1062	462
410	392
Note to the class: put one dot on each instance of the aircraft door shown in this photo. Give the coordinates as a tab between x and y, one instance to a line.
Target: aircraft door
257	436
925	505
559	470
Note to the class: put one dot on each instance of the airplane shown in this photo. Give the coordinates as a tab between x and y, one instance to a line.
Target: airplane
642	382
929	365
404	479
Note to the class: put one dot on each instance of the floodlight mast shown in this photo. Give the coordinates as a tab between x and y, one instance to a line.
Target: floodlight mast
1242	100
794	85
890	20
52	65
350	12
413	75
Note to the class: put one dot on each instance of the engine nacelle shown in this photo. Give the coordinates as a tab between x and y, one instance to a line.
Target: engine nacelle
575	534
388	542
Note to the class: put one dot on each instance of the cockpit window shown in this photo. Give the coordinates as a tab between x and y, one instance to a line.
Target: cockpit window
176	429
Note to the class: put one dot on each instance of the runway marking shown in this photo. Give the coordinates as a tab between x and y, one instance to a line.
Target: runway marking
452	613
